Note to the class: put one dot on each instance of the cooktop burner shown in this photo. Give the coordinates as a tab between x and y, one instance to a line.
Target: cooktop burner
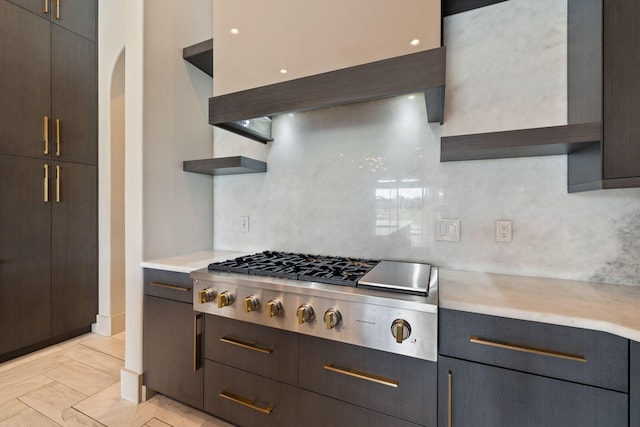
316	268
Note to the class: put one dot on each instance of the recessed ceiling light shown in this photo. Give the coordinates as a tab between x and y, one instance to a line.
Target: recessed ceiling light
414	42
411	96
283	71
234	31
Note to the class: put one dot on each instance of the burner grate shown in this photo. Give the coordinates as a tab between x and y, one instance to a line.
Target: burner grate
316	268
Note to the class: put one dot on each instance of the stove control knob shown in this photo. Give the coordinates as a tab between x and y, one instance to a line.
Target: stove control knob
251	303
332	318
207	295
304	313
273	308
224	299
400	329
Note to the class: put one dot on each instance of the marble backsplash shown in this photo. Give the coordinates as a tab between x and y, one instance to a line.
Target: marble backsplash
365	180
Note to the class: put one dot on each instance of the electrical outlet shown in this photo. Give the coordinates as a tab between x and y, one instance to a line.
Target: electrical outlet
244	224
504	230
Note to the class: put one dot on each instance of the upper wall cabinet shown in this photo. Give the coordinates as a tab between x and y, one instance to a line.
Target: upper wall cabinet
79	16
308	38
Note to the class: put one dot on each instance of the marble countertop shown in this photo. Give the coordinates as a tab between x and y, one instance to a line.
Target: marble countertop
189	262
596	306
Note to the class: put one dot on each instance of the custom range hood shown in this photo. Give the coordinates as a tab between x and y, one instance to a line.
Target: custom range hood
288	56
417	72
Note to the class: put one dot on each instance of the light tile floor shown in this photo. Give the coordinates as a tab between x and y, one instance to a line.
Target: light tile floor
76	383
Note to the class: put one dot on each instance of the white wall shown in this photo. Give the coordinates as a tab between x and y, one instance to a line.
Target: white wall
332	173
111	282
177	204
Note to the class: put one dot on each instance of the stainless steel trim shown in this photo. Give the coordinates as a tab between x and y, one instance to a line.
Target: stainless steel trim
245	401
362	375
531	350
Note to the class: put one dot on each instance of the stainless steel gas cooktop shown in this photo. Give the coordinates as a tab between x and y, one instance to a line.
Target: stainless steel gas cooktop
385	305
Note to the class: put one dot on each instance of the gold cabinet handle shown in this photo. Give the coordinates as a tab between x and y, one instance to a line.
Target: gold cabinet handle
58	137
46	183
246	345
525	349
46	135
174	287
57	9
450	399
245	401
197	342
57	183
362	375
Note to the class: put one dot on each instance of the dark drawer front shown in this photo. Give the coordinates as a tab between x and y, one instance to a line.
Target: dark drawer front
474	394
320	411
549	350
168	284
269	352
247	399
403	387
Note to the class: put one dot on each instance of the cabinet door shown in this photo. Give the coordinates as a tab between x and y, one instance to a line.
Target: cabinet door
74	219
74	99
25	254
40	7
481	395
172	350
79	16
24	81
621	89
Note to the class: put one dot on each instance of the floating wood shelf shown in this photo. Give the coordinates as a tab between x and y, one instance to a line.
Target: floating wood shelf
224	166
200	55
451	7
546	141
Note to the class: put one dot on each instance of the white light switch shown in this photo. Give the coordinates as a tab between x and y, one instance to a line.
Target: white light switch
244	224
448	230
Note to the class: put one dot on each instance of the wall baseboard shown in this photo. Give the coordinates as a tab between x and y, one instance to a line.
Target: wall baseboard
131	385
109	325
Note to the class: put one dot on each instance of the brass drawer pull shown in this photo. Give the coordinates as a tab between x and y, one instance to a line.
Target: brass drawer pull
531	350
246	345
197	342
58	137
362	375
249	403
57	9
46	183
57	183
45	134
174	287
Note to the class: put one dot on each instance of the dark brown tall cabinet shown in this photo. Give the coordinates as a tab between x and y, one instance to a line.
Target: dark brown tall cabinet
48	172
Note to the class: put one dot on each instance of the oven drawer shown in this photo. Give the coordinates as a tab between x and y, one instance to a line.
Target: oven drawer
168	284
269	352
400	386
247	399
578	355
321	411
